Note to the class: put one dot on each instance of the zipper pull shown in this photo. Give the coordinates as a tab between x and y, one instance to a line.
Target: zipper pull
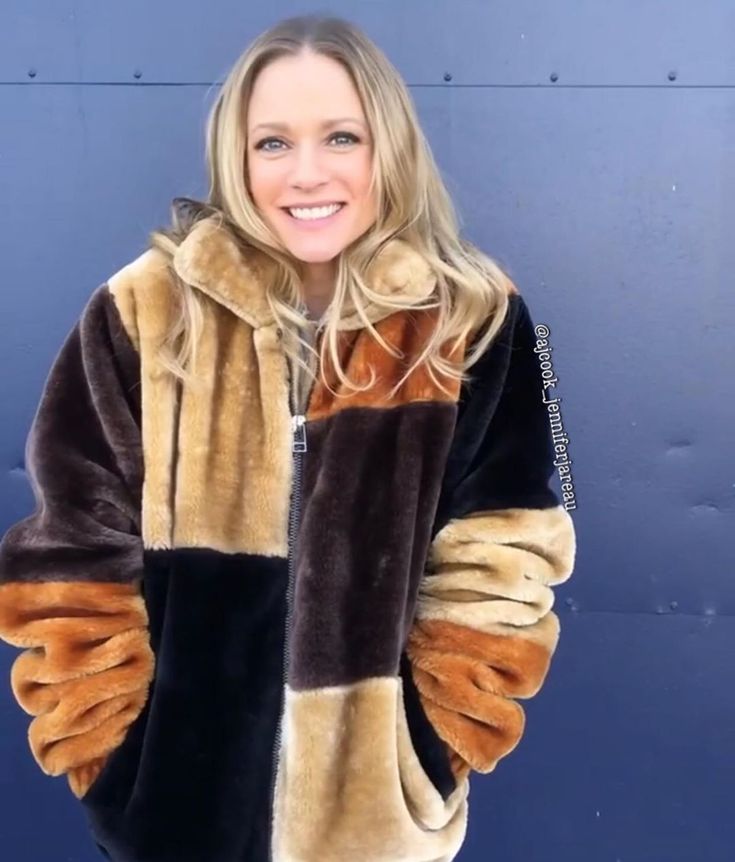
299	433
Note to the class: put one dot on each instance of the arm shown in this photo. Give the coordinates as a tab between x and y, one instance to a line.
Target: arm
69	572
484	632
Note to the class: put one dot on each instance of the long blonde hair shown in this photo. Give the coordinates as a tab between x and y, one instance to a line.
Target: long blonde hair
413	204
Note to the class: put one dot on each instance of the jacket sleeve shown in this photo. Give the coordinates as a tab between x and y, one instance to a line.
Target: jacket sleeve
70	572
484	633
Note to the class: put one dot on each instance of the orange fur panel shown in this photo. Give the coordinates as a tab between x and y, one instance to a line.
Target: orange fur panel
406	331
479	743
80	778
465	678
86	673
55	614
459	766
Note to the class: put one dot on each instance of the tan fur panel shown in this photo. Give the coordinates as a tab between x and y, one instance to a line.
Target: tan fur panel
401	272
484	631
350	785
143	292
237	275
159	423
233	478
86	673
408	331
497	567
234	473
211	260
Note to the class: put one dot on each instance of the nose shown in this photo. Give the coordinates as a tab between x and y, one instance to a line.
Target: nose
308	169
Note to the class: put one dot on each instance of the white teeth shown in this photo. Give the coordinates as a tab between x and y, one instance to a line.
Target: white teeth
315	212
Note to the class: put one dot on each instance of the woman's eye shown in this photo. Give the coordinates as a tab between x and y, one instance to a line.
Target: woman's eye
352	138
261	145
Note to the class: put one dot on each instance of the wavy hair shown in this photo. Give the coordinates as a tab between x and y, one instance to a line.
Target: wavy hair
472	290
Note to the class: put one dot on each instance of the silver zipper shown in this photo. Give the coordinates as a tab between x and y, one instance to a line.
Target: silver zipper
298	448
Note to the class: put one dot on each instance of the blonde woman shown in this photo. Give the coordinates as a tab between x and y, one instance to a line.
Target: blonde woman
292	560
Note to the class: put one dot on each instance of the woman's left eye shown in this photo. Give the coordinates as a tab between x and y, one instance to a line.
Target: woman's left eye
352	138
261	144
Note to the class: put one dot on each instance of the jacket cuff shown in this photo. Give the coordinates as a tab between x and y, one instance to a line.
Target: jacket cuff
85	674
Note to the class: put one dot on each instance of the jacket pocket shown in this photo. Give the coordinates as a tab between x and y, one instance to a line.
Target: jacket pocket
348	754
105	783
432	752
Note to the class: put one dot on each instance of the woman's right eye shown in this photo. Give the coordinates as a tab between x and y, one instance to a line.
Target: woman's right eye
261	144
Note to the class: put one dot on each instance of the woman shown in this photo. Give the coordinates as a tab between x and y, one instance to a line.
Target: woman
291	562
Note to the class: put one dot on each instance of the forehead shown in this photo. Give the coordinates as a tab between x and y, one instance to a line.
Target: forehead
303	92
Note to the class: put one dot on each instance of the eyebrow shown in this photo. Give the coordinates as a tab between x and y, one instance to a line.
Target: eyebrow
283	127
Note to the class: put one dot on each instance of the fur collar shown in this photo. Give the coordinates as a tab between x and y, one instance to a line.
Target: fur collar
211	260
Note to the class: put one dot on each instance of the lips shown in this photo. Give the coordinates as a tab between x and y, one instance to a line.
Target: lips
314	223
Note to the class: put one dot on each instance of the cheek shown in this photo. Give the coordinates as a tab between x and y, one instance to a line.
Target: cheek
263	181
368	203
362	201
361	186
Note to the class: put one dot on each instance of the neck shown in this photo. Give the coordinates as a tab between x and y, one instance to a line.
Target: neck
318	285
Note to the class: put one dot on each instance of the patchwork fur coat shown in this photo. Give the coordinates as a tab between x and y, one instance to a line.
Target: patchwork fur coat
260	622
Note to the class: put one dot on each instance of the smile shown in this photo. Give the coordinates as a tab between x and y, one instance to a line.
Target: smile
311	221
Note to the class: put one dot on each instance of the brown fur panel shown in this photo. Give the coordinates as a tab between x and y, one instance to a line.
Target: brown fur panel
84	461
85	673
484	631
406	331
350	785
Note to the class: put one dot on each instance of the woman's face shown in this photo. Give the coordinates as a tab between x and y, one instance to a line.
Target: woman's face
298	156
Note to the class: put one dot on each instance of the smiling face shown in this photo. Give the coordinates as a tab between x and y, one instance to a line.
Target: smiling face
309	144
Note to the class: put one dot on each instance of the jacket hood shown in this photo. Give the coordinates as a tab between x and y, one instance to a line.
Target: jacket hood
212	260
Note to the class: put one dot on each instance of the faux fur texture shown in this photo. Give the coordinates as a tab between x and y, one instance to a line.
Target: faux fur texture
363	793
211	259
484	632
84	673
69	572
152	586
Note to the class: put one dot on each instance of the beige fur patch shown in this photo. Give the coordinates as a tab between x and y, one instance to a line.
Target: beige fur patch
484	631
350	785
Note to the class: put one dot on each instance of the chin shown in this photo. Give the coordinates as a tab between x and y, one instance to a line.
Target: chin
313	253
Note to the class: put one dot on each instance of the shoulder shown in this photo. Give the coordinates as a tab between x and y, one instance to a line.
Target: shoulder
508	360
515	318
144	295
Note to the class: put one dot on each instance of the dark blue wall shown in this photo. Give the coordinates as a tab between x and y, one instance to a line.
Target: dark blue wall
589	147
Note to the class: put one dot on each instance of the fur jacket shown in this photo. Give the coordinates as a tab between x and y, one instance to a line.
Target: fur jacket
261	623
